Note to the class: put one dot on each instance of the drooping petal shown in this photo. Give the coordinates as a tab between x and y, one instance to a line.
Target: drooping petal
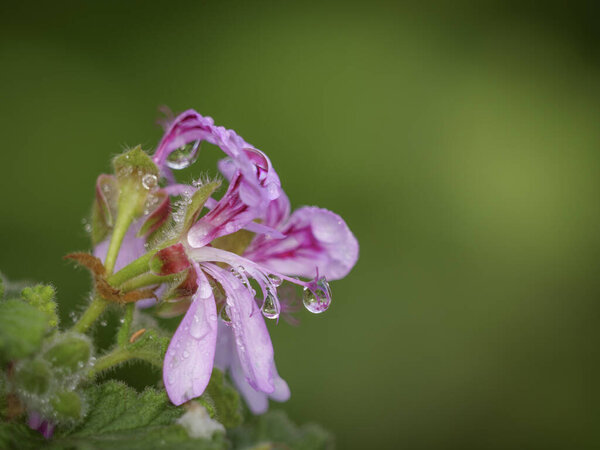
257	401
189	359
252	339
315	239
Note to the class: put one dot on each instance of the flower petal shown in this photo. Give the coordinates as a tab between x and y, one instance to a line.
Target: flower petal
189	359
315	239
252	339
257	401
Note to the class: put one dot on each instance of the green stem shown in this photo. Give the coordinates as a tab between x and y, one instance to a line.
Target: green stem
124	218
147	279
96	308
125	329
117	356
138	267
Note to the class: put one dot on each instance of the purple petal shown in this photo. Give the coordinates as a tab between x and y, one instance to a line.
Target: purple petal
252	339
189	359
257	401
315	238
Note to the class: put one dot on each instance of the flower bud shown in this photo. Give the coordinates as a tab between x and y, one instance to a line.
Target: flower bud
67	406
69	353
33	376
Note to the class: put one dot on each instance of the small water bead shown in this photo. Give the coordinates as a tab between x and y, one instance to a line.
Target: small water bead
183	156
149	181
275	280
103	323
317	297
186	354
269	309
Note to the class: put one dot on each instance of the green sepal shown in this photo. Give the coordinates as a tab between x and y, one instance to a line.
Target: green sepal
134	162
69	352
42	297
104	209
222	401
22	328
197	202
67	406
33	376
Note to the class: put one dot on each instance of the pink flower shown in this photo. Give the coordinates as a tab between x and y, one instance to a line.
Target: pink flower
311	242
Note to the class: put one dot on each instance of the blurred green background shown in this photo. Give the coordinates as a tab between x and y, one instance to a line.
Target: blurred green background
460	141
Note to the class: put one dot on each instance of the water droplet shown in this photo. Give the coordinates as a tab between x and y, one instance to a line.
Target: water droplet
183	156
275	280
270	307
186	354
317	296
103	323
122	320
198	329
149	181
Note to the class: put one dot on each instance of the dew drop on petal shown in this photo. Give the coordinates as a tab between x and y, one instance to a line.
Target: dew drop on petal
269	308
275	280
149	181
183	156
317	296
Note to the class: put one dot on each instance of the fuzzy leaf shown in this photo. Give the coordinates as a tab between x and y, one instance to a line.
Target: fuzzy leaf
121	418
69	352
22	328
274	430
149	346
222	401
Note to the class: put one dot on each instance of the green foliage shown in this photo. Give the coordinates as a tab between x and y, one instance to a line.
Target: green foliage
222	401
42	297
19	436
1	287
69	352
274	430
22	328
121	418
150	346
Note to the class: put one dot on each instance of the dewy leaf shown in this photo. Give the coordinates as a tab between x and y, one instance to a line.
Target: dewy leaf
275	430
120	418
222	401
149	346
19	435
22	328
42	297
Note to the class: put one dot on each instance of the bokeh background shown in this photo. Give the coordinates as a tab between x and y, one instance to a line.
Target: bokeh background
459	140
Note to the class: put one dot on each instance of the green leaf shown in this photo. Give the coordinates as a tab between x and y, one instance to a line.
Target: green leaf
22	328
42	297
222	401
19	435
150	346
274	430
121	418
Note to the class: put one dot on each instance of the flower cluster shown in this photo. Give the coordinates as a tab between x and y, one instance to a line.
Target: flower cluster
226	259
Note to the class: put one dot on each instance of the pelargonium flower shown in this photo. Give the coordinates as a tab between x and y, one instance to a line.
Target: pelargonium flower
224	323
